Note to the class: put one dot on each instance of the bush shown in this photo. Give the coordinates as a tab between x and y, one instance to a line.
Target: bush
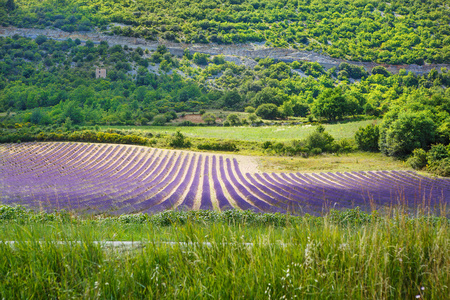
316	151
233	119
331	104
418	160
249	109
437	153
187	123
267	111
400	136
209	118
441	168
320	139
367	138
200	58
344	146
266	145
178	140
380	70
219	146
159	120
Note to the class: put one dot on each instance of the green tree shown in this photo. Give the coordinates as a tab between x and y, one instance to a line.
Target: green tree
269	95
367	138
249	109
10	5
40	39
159	120
300	108
331	104
231	99
286	109
74	112
36	116
410	130
252	118
267	111
319	139
380	70
418	160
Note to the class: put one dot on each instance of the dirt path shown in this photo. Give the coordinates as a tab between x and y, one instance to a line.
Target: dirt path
240	54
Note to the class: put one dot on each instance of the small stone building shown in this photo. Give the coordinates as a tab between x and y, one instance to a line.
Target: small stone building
100	73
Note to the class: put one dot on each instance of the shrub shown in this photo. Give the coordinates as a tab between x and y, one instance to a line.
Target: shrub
344	146
159	120
252	118
249	109
219	146
209	118
187	123
400	136
331	104
267	111
367	138
320	139
380	70
178	140
437	153
200	58
233	119
266	145
441	168
418	160
316	151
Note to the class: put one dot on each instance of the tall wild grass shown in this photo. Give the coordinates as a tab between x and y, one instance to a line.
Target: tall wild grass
231	255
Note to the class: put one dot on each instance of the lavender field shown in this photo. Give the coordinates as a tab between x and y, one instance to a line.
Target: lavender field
119	179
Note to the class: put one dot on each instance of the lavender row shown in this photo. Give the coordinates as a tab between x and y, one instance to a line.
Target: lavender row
123	179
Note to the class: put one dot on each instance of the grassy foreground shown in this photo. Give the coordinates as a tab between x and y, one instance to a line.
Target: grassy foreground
344	255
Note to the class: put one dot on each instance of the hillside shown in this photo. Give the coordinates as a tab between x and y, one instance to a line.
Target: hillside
240	53
394	32
143	84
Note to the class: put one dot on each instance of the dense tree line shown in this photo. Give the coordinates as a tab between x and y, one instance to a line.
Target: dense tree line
394	31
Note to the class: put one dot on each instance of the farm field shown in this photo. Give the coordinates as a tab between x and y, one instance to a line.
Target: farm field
265	133
117	179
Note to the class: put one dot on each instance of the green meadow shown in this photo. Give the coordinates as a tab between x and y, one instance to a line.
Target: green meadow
264	133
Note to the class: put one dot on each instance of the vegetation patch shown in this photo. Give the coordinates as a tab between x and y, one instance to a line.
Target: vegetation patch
192	254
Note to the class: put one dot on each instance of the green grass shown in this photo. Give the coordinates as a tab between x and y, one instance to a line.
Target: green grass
348	255
266	133
358	161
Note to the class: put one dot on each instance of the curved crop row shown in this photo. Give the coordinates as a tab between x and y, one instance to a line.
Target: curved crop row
125	179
